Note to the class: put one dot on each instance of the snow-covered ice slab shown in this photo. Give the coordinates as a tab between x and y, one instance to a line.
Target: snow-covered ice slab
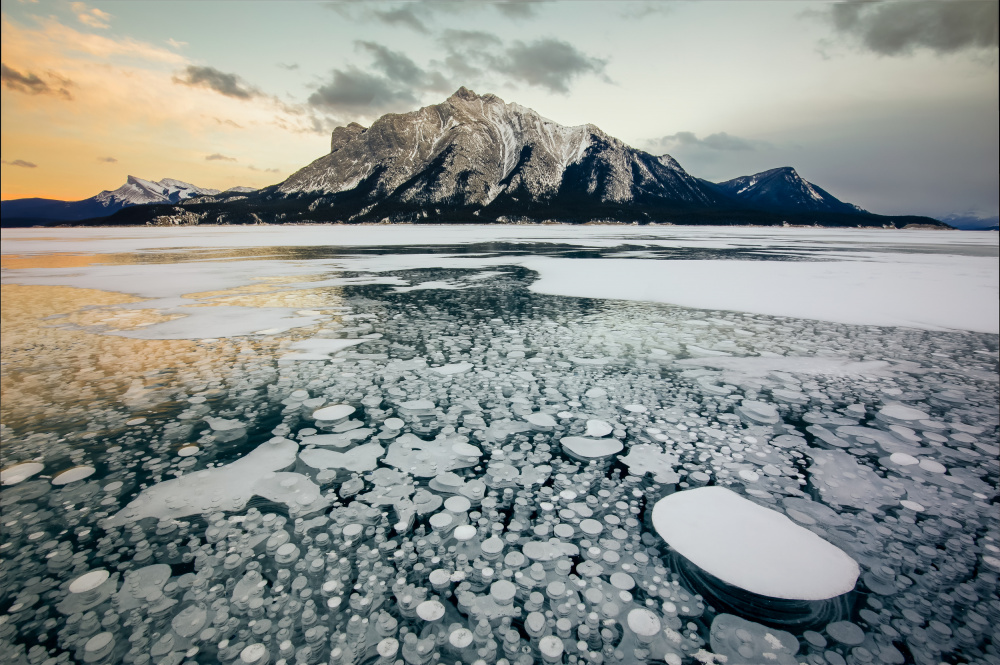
228	487
937	292
752	547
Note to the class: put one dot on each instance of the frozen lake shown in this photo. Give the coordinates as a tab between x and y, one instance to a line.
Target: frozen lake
445	444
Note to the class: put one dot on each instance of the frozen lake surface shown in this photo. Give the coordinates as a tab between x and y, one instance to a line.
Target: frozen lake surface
445	444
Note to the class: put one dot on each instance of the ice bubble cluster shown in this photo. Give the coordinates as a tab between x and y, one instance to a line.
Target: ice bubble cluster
492	476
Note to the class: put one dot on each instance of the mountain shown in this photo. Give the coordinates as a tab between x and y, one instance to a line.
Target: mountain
972	221
135	191
477	159
784	190
482	156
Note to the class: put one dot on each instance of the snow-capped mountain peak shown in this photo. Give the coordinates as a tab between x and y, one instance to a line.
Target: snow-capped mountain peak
784	189
137	191
475	151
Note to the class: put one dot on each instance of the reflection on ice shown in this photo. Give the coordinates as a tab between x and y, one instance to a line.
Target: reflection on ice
472	471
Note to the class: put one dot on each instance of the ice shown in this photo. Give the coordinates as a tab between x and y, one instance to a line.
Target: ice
454	368
358	459
226	487
317	348
583	448
646	458
433	488
426	459
17	473
598	428
752	547
73	475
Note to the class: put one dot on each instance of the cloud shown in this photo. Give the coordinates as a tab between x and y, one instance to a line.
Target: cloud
291	66
719	142
405	15
229	85
92	17
548	63
216	157
396	83
899	28
22	163
227	121
517	9
176	44
355	90
32	84
254	168
107	160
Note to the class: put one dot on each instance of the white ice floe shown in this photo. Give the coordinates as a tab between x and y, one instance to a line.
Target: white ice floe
17	473
72	475
453	368
426	459
318	348
751	547
362	458
228	487
582	448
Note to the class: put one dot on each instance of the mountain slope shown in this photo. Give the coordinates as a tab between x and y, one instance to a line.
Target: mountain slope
479	154
784	190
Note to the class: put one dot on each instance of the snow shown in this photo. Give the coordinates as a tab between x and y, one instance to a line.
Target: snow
751	547
17	473
937	293
586	449
226	487
865	277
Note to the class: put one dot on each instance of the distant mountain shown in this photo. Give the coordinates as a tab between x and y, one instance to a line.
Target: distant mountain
784	190
973	222
477	159
135	191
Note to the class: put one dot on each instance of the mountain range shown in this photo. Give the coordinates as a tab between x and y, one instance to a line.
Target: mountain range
472	159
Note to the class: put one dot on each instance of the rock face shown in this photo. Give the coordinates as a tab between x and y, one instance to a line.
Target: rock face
481	154
783	189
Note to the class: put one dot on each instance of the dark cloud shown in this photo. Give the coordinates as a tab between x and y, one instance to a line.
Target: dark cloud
548	63
216	157
32	84
720	141
229	85
22	163
518	8
395	84
355	90
899	28
404	15
399	68
107	160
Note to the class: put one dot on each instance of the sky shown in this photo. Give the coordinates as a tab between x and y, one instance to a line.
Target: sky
892	106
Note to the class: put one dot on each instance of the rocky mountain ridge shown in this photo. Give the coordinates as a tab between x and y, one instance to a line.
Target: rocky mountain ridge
478	159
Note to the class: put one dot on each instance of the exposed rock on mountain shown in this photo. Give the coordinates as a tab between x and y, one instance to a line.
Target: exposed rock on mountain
477	159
